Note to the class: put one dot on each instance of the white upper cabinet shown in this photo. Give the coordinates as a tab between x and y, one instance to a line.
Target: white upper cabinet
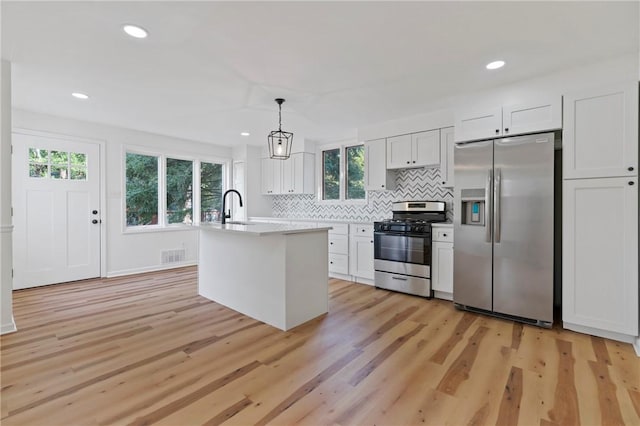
297	174
414	150
376	175
473	124
399	152
600	135
447	147
271	176
425	149
535	115
291	176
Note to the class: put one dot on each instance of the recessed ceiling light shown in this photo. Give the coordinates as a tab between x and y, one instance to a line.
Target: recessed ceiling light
135	31
495	65
80	95
245	134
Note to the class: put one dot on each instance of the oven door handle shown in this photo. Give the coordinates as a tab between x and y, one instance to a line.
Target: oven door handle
398	278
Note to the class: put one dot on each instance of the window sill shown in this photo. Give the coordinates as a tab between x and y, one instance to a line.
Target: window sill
156	228
343	202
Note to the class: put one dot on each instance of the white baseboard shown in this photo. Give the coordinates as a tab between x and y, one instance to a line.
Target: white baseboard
123	272
600	333
9	328
636	346
363	280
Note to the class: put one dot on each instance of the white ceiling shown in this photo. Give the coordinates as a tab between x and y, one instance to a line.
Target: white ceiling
210	70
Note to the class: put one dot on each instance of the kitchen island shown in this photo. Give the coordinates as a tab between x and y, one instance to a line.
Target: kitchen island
275	273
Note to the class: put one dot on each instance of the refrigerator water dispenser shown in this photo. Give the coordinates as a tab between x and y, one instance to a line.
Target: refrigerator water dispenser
473	203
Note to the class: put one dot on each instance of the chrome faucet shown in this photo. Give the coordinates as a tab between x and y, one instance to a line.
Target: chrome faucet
225	215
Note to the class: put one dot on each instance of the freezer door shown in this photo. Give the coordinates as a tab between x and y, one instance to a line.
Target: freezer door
472	225
523	227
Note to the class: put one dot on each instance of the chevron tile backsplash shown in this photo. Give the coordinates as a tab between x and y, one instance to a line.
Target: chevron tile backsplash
411	184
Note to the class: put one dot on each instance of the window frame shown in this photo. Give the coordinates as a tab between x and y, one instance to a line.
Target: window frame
162	225
343	174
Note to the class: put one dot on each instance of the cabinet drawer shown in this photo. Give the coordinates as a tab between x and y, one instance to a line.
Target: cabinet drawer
338	244
444	235
338	228
363	230
339	263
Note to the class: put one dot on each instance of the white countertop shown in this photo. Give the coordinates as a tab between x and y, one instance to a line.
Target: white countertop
258	229
442	225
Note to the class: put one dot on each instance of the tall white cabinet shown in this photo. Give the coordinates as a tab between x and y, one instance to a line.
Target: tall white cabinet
600	212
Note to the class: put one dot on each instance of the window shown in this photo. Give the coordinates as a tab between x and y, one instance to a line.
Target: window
57	164
187	186
179	191
211	179
355	172
342	175
331	174
141	189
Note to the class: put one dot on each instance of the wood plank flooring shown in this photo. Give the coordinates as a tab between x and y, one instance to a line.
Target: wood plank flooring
147	349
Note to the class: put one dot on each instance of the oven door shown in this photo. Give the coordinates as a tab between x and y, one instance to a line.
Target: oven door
405	248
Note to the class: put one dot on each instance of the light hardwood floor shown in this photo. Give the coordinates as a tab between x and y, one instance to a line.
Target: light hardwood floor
147	349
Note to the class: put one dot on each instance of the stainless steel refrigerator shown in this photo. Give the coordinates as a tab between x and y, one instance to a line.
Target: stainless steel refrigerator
503	227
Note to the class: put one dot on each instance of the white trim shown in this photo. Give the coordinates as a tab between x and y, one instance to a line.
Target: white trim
361	280
155	268
144	229
9	328
636	346
600	333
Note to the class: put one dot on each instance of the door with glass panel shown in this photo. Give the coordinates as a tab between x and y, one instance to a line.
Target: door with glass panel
57	212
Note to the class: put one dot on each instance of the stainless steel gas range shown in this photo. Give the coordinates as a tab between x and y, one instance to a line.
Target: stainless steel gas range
402	247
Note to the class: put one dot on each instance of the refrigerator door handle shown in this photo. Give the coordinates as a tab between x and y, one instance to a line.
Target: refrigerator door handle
487	205
497	194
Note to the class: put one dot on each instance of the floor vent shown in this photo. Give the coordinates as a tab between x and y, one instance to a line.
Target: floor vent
173	256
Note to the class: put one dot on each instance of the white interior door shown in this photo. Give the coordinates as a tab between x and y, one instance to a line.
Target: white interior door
57	213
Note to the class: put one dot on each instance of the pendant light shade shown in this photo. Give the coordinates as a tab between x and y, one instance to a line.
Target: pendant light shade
280	141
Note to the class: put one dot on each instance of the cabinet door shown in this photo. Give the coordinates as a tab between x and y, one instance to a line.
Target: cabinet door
399	152
271	176
293	174
600	254
425	148
361	257
376	175
536	115
475	125
447	146
600	134
442	267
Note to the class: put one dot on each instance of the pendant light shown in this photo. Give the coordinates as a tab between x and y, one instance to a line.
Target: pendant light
279	141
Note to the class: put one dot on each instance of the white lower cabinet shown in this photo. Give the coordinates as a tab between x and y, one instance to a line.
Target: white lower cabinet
600	256
442	263
361	252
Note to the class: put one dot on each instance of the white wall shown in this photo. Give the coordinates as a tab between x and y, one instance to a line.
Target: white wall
127	252
7	324
441	113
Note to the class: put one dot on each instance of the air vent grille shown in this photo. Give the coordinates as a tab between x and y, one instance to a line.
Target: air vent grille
173	256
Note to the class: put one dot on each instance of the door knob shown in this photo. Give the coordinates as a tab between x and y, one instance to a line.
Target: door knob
631	183
630	168
497	131
506	129
95	212
94	221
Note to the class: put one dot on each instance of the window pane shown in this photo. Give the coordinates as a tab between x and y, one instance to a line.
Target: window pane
59	157
331	174
38	155
59	172
211	179
78	173
38	170
78	159
355	172
179	191
142	189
